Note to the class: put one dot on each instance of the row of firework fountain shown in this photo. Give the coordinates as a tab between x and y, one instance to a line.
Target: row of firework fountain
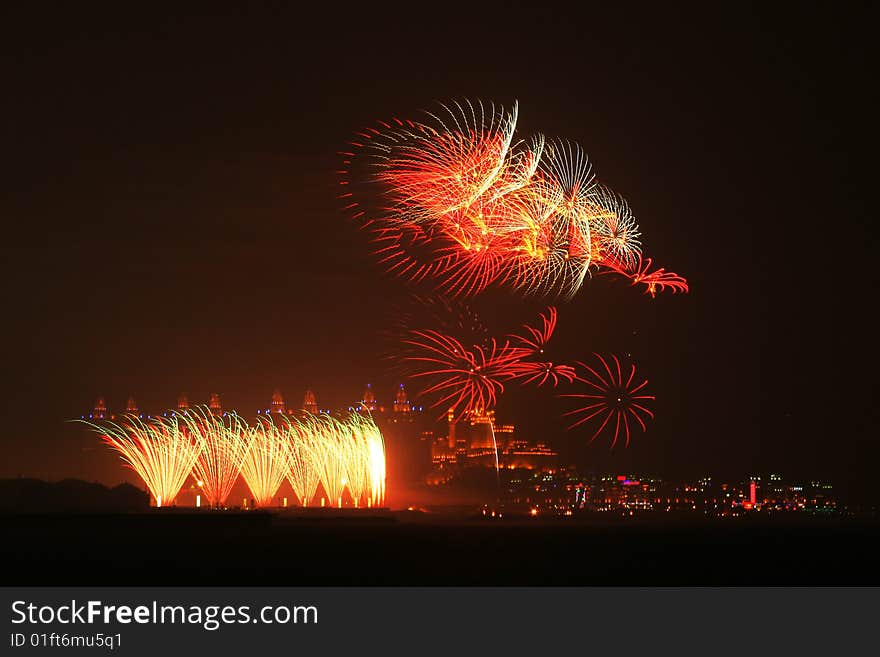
343	455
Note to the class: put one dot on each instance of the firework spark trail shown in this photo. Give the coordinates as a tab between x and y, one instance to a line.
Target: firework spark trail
463	204
346	453
654	281
535	339
618	232
221	451
266	460
331	462
158	450
611	397
465	379
357	462
470	380
539	374
302	473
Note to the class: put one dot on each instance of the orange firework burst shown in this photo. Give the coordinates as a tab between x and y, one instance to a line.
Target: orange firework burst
463	204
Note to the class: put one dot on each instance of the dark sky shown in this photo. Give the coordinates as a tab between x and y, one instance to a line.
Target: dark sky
171	223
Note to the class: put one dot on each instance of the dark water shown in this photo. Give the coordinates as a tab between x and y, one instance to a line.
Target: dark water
395	549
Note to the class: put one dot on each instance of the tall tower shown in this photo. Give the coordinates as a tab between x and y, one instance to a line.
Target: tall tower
310	405
214	404
369	400
100	410
401	401
131	406
278	405
450	420
183	401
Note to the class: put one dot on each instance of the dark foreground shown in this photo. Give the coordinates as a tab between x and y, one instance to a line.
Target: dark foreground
181	548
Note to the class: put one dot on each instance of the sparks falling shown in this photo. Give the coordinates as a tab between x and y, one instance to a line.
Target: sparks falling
343	455
159	450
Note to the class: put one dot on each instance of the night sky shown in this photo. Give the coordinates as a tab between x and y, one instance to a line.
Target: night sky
171	221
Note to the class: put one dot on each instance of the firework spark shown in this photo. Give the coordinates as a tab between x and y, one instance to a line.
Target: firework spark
339	454
464	379
266	459
158	450
220	454
612	395
464	205
302	453
469	380
639	272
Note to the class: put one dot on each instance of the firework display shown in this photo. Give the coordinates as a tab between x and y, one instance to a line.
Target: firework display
265	463
338	453
612	396
220	452
468	380
455	200
159	450
471	380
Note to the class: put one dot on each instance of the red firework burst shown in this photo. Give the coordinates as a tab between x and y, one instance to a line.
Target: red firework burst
466	379
527	372
472	379
655	281
535	339
612	395
531	342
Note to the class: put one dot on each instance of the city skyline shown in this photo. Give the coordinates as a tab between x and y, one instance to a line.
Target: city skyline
513	451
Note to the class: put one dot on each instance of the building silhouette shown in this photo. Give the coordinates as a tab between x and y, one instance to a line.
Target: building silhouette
310	404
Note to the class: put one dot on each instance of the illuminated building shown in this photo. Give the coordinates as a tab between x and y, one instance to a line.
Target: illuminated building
401	401
182	401
100	412
310	404
369	399
407	431
131	406
401	409
214	404
476	440
504	435
525	455
277	404
450	421
818	497
481	430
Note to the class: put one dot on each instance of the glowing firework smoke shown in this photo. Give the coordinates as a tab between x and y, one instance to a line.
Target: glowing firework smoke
463	204
612	395
158	450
